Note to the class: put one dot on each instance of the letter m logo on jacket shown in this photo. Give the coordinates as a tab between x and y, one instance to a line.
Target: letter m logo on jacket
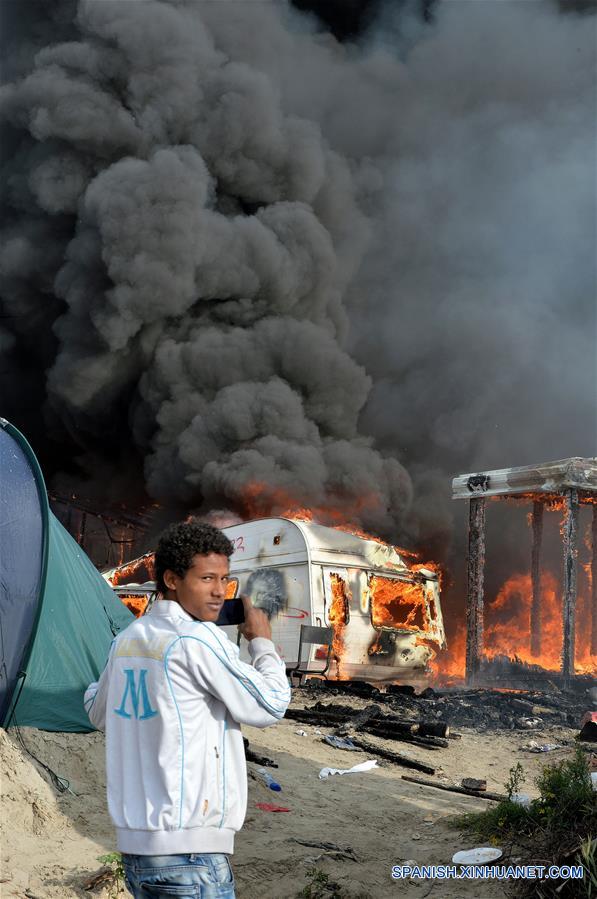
136	695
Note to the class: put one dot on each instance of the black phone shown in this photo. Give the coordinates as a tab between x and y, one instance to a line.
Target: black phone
232	612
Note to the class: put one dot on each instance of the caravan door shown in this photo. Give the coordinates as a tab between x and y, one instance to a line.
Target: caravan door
337	596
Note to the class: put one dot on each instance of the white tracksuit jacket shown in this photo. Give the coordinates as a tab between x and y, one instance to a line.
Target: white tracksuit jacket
171	700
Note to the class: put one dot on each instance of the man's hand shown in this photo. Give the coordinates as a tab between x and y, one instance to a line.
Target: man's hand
256	622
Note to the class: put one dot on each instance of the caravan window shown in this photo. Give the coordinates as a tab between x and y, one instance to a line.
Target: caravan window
398	604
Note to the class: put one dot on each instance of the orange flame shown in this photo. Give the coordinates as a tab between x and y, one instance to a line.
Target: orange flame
135	604
507	627
451	662
508	621
260	500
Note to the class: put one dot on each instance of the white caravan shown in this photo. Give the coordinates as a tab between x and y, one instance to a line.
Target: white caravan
385	614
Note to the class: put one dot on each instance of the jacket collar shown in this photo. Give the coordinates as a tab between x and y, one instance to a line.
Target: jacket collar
167	608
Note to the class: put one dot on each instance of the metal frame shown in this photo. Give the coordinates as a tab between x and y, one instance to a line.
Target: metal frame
313	636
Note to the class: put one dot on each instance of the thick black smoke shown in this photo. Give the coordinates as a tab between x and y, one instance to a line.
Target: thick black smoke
218	219
191	243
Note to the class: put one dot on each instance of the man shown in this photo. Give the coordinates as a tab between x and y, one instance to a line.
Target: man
171	701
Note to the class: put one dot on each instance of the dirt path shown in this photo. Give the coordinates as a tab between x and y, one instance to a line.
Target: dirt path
51	841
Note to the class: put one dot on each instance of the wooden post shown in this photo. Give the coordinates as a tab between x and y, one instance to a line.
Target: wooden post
475	580
81	534
536	578
69	518
594	585
570	534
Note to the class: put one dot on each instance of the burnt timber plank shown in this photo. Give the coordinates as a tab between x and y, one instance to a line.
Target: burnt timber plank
570	535
475	586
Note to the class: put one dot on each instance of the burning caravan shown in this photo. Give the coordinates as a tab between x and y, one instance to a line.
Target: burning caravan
386	615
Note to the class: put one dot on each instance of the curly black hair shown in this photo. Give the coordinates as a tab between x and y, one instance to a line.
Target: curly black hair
180	542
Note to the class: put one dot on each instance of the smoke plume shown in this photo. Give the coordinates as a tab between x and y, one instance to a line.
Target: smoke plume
283	267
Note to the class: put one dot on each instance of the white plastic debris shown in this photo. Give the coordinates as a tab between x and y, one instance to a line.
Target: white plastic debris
356	769
478	856
533	746
301	733
530	723
521	799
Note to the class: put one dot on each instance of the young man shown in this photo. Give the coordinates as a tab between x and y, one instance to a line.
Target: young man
171	701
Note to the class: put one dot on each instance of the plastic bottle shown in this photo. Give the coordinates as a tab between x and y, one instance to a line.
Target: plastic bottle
268	780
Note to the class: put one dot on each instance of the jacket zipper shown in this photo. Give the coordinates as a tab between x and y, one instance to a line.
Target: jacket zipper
222	774
219	778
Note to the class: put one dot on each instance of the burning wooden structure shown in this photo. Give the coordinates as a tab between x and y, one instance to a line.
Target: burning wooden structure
565	484
109	535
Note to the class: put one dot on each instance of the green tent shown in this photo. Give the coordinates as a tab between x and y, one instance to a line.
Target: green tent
58	615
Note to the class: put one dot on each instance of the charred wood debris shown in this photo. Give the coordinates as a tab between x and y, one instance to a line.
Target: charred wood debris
428	719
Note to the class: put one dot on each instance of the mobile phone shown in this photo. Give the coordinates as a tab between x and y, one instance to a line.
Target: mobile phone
232	612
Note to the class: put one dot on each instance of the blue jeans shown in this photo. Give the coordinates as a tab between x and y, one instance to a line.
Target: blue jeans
206	876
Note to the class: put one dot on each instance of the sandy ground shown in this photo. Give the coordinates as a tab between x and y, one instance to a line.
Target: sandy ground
51	841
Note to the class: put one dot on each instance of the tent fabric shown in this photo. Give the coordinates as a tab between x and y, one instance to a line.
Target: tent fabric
77	617
22	557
